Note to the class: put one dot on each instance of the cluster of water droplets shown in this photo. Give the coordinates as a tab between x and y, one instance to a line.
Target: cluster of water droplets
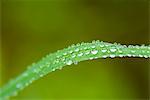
77	53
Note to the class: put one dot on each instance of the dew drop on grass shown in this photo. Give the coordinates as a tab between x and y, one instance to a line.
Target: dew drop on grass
18	85
140	55
104	56
41	75
87	52
73	56
59	68
69	62
113	50
132	51
92	46
145	56
70	51
64	53
104	50
94	52
101	45
120	51
25	74
75	62
91	58
129	55
80	54
53	69
41	67
85	48
112	56
121	55
76	50
26	84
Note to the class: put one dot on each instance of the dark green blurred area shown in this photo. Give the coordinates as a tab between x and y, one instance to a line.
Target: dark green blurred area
33	28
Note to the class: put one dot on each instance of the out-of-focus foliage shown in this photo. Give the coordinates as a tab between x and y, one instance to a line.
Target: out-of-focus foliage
34	28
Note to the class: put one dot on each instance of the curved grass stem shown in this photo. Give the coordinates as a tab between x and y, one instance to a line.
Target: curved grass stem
68	56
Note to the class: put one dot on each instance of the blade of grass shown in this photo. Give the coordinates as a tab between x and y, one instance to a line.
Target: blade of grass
71	55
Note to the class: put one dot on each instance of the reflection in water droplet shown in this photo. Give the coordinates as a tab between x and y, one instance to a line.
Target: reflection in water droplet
64	53
77	49
73	56
92	46
113	49
129	55
87	52
91	58
94	52
75	62
69	62
104	50
101	45
120	55
70	51
140	55
104	56
85	48
80	54
112	56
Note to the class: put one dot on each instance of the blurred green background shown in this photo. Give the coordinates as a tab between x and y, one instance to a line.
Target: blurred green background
30	29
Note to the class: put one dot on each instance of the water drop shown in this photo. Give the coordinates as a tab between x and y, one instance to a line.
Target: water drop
104	56
132	51
134	55
95	57
93	41
69	62
104	50
97	41
73	56
26	84
87	52
120	55
113	50
72	45
41	75
41	67
25	74
145	56
91	58
18	85
85	48
60	68
78	44
120	51
64	53
70	51
143	51
63	59
76	50
94	52
75	62
53	69
101	45
80	54
112	56
92	46
129	55
35	70
57	56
